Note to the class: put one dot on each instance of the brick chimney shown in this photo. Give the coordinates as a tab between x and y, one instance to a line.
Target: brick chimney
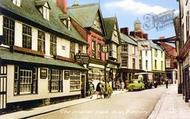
145	36
62	4
132	33
125	31
139	34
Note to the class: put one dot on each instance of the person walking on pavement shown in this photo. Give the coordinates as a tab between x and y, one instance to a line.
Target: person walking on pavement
99	90
166	82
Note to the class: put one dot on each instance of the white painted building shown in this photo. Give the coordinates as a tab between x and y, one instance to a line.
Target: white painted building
37	53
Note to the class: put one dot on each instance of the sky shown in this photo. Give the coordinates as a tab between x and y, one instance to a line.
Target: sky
127	11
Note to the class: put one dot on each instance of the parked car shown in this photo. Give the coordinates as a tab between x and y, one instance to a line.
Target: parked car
136	84
147	79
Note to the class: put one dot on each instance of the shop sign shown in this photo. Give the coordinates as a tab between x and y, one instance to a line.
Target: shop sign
82	58
43	73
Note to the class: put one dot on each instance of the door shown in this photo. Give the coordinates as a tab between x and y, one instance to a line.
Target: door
3	87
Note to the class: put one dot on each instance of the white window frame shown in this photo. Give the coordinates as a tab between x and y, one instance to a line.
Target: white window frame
17	2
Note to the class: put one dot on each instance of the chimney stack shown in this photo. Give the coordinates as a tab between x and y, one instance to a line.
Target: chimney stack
145	36
62	4
139	34
132	33
125	31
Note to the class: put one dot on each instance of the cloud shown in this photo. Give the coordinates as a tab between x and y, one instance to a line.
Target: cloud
136	7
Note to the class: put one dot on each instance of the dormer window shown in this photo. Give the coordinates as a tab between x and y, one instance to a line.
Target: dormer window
45	12
17	2
66	21
44	8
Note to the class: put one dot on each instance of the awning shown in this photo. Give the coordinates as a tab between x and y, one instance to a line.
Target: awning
6	55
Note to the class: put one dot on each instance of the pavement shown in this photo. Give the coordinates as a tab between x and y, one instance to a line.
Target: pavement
50	108
161	104
171	106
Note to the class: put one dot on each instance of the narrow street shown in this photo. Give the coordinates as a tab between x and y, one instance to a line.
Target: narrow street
130	105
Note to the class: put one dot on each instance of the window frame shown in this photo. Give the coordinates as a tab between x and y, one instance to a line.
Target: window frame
20	84
41	41
26	36
93	48
55	76
8	31
17	2
53	45
125	47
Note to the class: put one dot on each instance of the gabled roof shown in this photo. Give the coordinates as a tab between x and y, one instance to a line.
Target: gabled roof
155	46
29	12
40	3
169	49
85	15
109	26
127	39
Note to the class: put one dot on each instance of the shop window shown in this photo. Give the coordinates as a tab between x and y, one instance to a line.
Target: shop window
25	81
75	81
41	41
53	42
55	80
8	31
27	36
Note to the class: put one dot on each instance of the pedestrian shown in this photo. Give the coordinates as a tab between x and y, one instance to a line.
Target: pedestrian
99	90
166	82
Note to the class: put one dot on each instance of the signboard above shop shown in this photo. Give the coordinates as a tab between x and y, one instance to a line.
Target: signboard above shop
82	58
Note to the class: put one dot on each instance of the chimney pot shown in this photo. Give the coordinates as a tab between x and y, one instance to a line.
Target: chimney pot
145	36
125	31
132	33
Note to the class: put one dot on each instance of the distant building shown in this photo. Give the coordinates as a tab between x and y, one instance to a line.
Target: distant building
130	57
171	61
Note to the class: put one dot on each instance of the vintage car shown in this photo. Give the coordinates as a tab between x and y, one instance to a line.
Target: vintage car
136	84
